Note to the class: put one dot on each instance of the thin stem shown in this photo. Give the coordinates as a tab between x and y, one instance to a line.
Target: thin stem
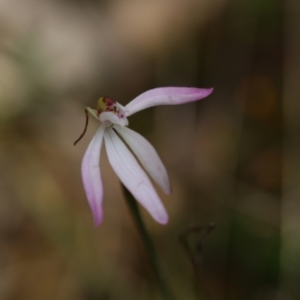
149	246
85	127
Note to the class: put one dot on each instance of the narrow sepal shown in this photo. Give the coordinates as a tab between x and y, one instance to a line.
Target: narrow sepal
91	176
166	96
148	157
133	177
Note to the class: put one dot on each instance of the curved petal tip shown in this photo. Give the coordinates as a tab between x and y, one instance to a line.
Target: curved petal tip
209	91
164	219
98	217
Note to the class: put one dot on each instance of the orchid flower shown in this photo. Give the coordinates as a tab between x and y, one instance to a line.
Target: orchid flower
119	138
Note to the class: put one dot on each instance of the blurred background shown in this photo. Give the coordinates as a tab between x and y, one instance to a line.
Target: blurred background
233	157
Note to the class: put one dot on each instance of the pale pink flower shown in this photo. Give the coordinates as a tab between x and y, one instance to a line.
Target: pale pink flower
118	138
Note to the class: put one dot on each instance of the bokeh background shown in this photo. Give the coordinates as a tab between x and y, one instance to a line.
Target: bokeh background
233	157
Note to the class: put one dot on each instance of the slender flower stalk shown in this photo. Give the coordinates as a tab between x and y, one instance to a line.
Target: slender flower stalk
147	241
119	138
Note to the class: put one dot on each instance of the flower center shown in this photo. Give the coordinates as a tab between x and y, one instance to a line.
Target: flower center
111	113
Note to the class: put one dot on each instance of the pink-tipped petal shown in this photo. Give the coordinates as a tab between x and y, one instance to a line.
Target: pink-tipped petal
133	177
91	177
166	96
148	157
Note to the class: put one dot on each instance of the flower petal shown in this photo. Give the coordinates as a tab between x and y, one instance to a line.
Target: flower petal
148	157
108	118
166	96
133	177
91	177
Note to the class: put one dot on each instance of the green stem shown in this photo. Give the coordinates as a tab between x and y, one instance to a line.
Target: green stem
133	207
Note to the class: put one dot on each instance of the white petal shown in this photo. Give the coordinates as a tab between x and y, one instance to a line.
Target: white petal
166	96
133	177
91	176
109	118
148	157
